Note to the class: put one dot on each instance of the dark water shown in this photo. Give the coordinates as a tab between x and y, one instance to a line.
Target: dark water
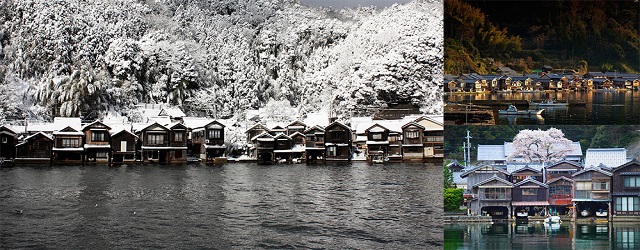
246	206
600	108
538	236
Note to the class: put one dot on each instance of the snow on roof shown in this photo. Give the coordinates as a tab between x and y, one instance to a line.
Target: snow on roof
171	112
63	122
162	120
391	125
135	127
196	122
264	134
273	125
115	132
94	122
41	127
313	119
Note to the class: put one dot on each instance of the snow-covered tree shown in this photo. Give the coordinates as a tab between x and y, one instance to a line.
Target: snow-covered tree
542	146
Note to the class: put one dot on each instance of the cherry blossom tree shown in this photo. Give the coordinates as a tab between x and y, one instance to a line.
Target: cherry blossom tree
542	146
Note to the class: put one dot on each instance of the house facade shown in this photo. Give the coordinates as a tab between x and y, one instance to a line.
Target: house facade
123	146
68	146
36	148
337	138
97	147
591	193
8	141
625	191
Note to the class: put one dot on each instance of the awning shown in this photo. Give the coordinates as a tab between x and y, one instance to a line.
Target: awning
529	203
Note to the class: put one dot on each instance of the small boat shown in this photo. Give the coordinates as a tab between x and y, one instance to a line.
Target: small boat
379	158
512	110
548	102
585	213
552	219
601	213
522	214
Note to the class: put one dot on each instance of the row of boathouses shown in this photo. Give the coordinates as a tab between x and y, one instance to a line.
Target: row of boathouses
605	186
178	139
545	81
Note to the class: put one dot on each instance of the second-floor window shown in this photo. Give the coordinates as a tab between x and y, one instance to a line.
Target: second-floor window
70	143
98	136
412	134
154	139
628	203
583	185
215	134
529	191
336	135
601	185
495	193
376	136
178	137
632	181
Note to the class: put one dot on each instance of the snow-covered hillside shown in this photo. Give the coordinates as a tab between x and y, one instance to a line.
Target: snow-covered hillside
75	57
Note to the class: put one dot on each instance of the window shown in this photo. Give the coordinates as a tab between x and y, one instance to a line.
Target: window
70	143
632	181
155	139
601	185
529	191
331	151
583	185
376	136
178	136
495	193
98	136
101	154
412	134
627	203
4	139
336	135
214	134
393	138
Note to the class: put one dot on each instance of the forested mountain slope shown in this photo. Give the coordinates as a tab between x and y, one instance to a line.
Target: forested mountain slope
75	57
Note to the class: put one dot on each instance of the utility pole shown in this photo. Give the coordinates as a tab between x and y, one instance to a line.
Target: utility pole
468	151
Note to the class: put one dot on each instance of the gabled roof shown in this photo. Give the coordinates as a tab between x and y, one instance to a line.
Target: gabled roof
338	124
263	134
85	127
7	130
196	122
297	123
564	161
154	124
172	112
214	123
63	122
176	125
468	172
529	180
371	129
615	169
258	126
425	118
114	133
68	131
557	179
314	127
297	134
494	178
412	124
36	134
282	135
525	168
597	169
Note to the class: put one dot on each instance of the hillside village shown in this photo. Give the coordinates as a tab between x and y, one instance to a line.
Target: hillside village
602	185
167	135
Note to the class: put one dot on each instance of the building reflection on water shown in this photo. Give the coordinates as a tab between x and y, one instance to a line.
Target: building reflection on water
539	235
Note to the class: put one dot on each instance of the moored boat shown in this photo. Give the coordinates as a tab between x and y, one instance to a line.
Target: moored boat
553	219
512	110
547	103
